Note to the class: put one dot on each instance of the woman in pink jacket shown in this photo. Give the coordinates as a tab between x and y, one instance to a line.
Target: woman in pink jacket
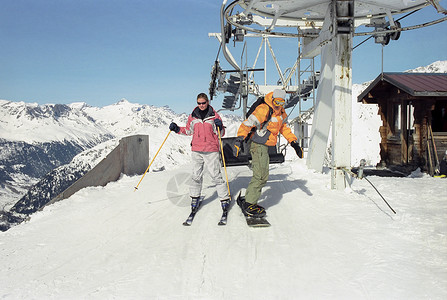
202	124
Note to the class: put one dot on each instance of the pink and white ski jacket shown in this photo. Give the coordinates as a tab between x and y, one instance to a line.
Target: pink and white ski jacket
204	132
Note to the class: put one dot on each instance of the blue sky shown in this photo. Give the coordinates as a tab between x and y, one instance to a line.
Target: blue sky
152	52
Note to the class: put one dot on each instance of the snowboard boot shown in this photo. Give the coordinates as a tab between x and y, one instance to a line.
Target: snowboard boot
251	210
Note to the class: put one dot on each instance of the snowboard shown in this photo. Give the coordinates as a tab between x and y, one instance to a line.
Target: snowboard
257	222
252	221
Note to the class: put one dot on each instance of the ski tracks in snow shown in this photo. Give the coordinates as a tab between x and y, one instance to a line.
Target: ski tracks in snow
109	242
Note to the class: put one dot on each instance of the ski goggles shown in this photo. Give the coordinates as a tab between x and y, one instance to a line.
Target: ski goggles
279	101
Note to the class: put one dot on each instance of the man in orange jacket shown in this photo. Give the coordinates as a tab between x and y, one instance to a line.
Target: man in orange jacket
263	127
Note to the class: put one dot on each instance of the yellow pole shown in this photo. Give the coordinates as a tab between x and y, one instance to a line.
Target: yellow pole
136	188
434	149
223	158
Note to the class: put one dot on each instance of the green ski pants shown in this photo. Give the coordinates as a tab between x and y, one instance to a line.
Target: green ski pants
260	166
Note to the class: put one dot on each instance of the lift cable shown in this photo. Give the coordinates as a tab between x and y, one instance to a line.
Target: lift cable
371	36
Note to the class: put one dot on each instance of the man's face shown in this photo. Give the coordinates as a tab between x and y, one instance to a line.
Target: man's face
278	103
202	103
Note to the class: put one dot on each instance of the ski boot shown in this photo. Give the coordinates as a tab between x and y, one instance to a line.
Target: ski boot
195	202
225	204
225	207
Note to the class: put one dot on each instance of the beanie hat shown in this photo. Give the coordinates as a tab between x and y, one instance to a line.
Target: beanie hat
279	94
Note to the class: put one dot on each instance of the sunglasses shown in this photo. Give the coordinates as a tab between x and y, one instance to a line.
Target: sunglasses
279	101
201	103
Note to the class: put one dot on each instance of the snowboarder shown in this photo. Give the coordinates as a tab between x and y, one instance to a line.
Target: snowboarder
202	124
263	133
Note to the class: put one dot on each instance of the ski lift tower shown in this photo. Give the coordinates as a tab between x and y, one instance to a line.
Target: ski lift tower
327	28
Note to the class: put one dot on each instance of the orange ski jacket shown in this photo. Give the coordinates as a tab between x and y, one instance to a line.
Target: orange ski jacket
267	134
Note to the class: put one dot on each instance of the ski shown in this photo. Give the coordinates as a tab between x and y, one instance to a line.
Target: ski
194	209
252	221
223	218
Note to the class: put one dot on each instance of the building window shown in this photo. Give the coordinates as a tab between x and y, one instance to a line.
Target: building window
439	117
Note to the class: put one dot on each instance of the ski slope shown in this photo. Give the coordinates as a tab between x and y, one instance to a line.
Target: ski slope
113	243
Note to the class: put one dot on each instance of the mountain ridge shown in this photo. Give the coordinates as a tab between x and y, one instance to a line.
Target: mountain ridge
41	144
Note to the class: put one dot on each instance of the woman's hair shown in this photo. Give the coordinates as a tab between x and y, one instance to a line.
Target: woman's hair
202	96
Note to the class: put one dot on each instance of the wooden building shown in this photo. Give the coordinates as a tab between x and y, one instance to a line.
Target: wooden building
413	108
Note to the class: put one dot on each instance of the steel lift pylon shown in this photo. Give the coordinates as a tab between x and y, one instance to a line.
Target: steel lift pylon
327	27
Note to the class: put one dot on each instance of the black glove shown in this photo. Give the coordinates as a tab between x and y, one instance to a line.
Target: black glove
218	123
239	145
174	127
297	148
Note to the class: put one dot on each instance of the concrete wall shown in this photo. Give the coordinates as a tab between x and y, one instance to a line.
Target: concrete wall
130	157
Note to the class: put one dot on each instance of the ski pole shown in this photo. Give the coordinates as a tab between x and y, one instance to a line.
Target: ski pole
136	188
361	176
223	158
380	195
434	149
431	170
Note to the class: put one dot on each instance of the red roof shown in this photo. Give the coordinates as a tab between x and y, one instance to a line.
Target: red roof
414	84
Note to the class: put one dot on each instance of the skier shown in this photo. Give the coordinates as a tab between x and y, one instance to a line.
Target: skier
265	134
203	124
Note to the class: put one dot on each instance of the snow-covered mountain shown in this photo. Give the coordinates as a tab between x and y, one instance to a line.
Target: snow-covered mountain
45	148
439	66
35	139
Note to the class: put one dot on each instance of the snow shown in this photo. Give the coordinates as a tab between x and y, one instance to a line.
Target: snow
32	123
86	126
79	122
116	243
365	130
113	243
439	66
